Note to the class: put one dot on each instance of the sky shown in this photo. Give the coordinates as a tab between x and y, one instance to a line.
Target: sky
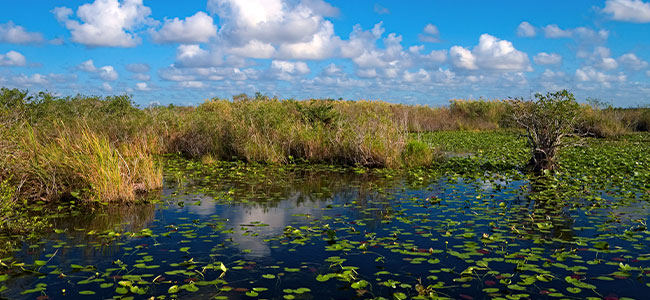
413	52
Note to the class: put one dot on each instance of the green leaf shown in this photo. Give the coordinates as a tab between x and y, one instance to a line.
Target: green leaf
86	293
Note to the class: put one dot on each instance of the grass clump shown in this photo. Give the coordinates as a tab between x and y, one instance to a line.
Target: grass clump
275	131
418	153
95	148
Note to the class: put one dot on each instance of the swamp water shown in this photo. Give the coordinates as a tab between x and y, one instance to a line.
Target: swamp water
238	231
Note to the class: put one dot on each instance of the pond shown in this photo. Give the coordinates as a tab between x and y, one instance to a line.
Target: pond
238	231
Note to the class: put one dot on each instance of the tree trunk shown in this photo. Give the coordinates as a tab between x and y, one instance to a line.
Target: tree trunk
540	161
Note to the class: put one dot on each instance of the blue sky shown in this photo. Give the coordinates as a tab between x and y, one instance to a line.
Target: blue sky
416	52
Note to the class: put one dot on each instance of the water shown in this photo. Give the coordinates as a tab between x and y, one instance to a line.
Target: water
239	232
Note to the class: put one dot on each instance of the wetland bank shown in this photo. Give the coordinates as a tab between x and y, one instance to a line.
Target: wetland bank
260	198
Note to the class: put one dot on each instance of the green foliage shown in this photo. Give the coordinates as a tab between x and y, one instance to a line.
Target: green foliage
547	120
418	154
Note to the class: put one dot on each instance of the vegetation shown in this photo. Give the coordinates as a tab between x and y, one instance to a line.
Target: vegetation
277	197
548	120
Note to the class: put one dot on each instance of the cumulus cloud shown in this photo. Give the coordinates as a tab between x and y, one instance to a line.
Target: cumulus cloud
141	76
601	59
463	58
142	86
430	34
582	34
290	67
191	84
198	28
297	30
180	74
105	72
138	68
554	32
544	58
12	59
586	74
635	11
490	54
14	34
332	70
420	76
631	61
105	23
525	29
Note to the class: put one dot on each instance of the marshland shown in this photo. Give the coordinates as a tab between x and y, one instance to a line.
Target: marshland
267	198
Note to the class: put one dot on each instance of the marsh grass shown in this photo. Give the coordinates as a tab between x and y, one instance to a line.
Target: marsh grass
105	148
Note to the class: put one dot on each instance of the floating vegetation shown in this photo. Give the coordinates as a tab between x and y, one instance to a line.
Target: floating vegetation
472	227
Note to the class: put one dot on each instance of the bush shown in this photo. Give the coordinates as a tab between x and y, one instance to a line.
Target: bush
418	154
548	120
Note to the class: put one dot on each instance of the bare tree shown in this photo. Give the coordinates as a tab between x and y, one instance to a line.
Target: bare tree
548	120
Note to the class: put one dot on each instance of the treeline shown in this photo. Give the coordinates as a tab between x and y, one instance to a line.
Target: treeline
106	148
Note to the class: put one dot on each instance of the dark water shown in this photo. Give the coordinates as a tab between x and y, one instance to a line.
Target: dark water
318	234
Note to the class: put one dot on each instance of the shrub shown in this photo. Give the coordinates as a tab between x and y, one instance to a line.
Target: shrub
417	154
548	120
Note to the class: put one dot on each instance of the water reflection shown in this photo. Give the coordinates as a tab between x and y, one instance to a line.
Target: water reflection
238	217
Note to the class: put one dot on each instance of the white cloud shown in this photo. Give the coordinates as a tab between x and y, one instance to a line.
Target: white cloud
105	72
88	66
276	28
430	34
554	32
142	86
525	29
583	34
198	28
299	67
175	73
195	56
332	70
321	45
631	61
12	59
138	68
107	87
491	54
40	81
381	10
105	23
367	73
647	73
601	59
420	76
34	79
462	58
254	49
591	74
15	34
191	84
141	76
636	11
544	58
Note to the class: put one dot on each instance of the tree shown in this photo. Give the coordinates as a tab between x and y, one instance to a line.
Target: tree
548	120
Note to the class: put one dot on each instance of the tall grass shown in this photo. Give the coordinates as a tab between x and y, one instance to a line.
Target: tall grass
105	148
274	131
